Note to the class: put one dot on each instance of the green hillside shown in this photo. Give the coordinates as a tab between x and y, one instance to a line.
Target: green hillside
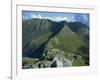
54	44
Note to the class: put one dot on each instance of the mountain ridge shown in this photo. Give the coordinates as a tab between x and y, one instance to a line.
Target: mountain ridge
41	36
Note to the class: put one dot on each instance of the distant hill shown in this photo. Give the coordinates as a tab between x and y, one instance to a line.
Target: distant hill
45	39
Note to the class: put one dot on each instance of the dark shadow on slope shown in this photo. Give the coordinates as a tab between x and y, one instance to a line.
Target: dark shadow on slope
37	53
56	27
76	26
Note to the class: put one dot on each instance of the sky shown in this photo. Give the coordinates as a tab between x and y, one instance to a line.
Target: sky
57	16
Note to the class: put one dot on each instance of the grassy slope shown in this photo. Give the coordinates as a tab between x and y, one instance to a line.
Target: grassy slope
67	41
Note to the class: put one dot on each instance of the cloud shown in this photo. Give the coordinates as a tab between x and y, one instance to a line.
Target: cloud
60	19
54	18
37	16
72	19
69	17
33	16
83	18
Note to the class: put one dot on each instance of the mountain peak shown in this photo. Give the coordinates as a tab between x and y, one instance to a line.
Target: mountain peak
44	39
